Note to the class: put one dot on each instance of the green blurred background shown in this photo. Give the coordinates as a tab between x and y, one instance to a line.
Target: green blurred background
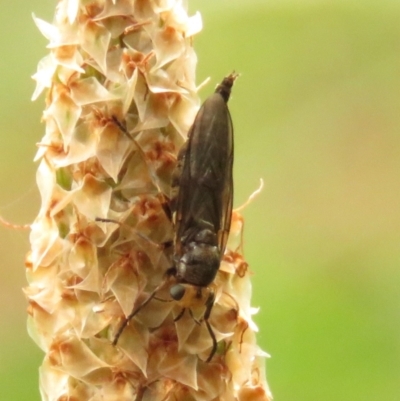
317	116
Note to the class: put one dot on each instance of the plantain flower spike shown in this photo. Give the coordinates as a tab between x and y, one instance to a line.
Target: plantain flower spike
120	93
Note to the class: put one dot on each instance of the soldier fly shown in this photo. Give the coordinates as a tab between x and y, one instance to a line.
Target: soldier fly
202	195
204	200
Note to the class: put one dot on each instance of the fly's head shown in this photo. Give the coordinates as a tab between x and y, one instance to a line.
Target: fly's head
189	296
197	266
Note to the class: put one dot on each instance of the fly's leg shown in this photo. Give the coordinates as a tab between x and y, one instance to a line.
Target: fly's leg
209	305
180	315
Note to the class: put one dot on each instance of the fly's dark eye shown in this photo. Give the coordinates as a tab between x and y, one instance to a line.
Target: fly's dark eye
177	292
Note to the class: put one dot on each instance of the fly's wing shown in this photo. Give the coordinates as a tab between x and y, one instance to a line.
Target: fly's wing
206	185
227	194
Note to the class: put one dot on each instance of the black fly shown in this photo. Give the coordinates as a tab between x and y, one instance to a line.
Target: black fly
204	200
202	195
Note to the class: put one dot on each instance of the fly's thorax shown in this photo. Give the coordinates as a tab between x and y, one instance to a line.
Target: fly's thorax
200	259
206	236
199	264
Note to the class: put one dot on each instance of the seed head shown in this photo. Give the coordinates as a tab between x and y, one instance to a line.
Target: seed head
120	98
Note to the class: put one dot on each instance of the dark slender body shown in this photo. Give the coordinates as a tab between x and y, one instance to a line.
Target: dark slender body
204	201
201	197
